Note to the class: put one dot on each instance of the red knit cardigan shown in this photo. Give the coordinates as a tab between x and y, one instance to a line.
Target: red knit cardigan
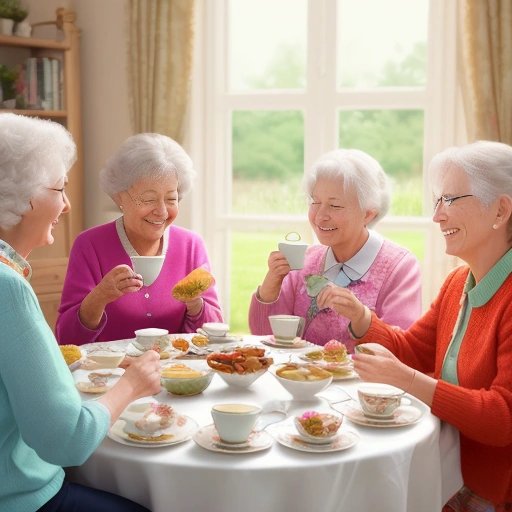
480	407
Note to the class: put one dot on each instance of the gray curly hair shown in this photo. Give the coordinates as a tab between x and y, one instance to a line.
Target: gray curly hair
147	155
34	154
357	170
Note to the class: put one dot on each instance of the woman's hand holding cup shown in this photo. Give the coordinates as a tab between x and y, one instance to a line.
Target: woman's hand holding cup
278	269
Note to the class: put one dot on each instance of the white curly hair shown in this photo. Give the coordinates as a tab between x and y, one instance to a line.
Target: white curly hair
34	154
147	155
358	171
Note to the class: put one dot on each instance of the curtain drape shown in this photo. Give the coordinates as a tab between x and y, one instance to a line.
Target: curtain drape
161	35
486	68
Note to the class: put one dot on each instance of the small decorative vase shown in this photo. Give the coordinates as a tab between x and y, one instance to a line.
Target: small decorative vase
6	26
23	29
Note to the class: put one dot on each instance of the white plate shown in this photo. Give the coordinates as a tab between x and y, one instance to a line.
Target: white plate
349	376
272	342
344	440
85	384
305	357
403	416
208	438
182	429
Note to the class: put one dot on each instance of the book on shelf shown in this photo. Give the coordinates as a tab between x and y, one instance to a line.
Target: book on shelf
43	83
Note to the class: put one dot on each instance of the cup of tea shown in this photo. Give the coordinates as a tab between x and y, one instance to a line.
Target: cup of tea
150	338
148	267
235	422
287	327
294	250
379	400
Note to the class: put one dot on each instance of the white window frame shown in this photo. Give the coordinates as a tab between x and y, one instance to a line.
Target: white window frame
210	128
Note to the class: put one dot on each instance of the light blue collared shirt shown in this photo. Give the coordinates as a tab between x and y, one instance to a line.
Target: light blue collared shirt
357	266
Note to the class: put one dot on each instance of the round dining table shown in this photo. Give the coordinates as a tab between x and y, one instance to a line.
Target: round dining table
404	467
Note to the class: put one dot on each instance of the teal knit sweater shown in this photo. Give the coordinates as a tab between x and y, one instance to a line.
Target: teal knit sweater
43	423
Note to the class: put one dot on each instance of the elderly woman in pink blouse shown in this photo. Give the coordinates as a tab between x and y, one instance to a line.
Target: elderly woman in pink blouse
348	192
103	298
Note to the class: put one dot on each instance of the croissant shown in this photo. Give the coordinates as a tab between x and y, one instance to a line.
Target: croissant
193	285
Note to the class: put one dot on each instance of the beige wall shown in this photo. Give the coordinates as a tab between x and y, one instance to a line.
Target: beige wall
104	85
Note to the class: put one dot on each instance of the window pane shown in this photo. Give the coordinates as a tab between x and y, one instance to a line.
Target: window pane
268	162
395	139
382	43
249	255
267	44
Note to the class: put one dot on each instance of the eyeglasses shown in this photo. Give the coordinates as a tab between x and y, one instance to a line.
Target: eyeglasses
61	190
448	200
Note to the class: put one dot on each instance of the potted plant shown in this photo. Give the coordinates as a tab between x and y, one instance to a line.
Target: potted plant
8	77
11	12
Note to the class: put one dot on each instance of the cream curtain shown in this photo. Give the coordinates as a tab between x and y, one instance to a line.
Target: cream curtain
160	64
486	68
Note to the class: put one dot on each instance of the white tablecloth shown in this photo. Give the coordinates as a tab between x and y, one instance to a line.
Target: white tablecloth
389	470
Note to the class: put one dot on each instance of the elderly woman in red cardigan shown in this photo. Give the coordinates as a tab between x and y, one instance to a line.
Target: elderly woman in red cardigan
457	358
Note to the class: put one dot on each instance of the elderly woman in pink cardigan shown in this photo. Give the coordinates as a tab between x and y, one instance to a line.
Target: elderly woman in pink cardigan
103	298
348	192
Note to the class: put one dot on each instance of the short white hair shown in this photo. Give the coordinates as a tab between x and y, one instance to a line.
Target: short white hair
358	171
147	155
487	164
34	154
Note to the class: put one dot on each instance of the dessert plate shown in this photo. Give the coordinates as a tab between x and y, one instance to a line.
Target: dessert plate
181	430
403	416
347	376
306	357
277	343
342	441
207	437
87	386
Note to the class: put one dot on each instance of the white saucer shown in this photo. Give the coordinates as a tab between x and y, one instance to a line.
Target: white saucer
227	338
344	440
207	437
403	416
276	342
182	430
133	351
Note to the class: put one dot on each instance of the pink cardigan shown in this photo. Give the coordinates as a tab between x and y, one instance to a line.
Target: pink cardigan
98	250
391	288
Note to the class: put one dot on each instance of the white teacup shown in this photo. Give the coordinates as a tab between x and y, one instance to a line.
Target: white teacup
235	422
286	327
294	251
218	329
148	267
379	400
146	339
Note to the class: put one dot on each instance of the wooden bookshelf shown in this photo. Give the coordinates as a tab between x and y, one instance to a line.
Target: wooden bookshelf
49	263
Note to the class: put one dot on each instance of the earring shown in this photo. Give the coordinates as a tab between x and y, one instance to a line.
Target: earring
121	207
495	226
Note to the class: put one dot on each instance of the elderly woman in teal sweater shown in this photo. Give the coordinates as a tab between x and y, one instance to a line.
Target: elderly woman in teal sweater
43	423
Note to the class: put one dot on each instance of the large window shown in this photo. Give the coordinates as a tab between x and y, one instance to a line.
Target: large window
287	80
